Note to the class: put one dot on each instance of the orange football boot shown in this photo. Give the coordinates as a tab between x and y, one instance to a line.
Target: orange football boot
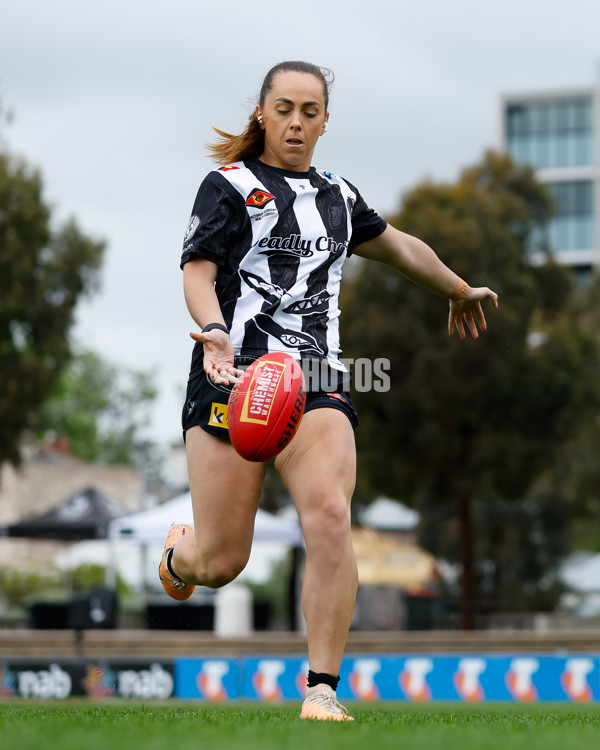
175	587
321	704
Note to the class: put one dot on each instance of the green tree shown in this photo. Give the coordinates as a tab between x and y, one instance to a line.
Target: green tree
43	273
275	589
88	576
468	421
576	475
101	409
29	582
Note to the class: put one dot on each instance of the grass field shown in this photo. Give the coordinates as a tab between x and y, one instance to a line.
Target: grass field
93	726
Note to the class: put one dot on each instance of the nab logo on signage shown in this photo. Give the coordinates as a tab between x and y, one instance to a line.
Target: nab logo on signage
218	415
53	682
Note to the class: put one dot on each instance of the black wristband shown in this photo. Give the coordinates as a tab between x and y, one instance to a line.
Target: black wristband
213	326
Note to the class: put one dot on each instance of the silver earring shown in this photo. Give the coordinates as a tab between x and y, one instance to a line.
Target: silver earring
259	118
325	126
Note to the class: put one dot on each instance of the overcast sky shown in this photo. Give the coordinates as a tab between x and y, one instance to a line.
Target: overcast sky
113	101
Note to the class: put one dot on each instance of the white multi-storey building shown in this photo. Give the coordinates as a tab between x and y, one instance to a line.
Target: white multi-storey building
558	132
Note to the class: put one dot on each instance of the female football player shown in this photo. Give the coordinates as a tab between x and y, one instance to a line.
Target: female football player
262	263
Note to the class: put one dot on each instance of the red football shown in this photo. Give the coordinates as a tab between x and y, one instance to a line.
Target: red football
266	406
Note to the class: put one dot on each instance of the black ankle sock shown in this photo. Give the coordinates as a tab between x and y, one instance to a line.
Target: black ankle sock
169	566
320	678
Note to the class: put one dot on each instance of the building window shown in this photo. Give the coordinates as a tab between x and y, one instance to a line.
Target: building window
572	227
552	132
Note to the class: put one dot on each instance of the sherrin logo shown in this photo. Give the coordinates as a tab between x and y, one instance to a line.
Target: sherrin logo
259	199
265	382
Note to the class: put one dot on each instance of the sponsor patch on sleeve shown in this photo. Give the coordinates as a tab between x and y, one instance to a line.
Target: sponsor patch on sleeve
259	199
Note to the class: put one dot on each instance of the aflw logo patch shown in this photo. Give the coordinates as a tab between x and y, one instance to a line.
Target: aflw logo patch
259	199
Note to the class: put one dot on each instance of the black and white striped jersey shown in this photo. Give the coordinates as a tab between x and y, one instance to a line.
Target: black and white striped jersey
280	239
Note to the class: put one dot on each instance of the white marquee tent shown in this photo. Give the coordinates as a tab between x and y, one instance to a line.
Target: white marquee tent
134	545
151	526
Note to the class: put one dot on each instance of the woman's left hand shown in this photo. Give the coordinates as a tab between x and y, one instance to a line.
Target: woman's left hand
468	310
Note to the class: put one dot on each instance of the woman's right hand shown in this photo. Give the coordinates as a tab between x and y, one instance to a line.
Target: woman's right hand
468	310
218	356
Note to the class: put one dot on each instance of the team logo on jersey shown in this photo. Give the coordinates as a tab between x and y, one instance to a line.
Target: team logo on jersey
259	199
336	214
226	169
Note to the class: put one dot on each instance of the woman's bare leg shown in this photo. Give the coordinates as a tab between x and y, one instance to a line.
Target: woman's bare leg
319	470
225	492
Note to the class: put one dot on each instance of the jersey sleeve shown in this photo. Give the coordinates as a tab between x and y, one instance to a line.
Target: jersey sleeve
366	223
217	216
